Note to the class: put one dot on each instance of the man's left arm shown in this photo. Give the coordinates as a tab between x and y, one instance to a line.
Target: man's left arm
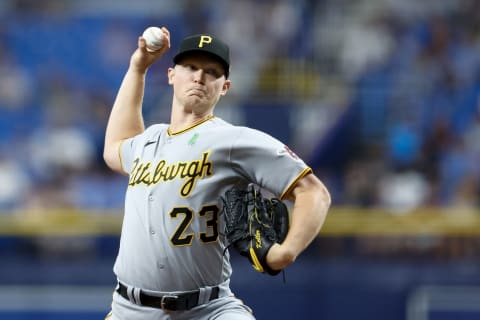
311	203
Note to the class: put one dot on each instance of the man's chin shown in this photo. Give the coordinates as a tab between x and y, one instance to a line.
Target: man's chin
195	104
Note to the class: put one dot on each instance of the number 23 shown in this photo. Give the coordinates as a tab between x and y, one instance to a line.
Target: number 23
182	238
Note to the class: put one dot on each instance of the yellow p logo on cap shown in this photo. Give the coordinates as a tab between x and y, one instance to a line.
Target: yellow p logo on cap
204	39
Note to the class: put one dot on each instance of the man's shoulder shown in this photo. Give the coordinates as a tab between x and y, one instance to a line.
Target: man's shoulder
155	129
234	129
152	132
224	128
158	127
220	123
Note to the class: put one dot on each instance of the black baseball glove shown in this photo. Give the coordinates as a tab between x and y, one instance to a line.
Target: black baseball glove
253	224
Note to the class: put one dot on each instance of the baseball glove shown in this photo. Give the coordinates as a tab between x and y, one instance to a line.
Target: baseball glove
253	224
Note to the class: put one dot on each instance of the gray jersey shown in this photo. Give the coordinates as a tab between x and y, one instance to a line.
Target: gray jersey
171	236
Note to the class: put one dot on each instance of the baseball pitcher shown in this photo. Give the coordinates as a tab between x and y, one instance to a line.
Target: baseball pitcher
173	260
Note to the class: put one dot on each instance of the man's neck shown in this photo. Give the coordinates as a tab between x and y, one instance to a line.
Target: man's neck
183	120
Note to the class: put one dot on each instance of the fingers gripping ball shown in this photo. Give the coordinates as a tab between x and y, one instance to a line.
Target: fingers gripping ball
253	224
153	38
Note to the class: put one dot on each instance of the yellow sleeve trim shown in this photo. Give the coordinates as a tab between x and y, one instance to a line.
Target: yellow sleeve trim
120	155
300	176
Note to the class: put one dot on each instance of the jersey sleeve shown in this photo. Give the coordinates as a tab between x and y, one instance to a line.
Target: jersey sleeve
126	151
266	161
130	147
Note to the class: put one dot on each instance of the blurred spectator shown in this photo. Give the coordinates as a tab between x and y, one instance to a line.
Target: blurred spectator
402	75
16	87
59	151
15	186
368	42
403	191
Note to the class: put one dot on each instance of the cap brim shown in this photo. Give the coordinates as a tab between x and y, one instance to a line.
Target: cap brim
184	54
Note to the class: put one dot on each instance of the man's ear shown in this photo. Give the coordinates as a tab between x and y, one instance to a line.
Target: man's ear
226	87
171	74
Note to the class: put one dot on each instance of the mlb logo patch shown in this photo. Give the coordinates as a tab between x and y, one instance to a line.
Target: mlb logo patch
288	151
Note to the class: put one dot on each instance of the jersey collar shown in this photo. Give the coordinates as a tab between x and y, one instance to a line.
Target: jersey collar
196	124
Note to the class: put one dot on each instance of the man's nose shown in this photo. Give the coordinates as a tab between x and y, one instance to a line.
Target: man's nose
199	75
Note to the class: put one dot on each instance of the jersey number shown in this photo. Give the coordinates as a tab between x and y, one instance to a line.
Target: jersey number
182	238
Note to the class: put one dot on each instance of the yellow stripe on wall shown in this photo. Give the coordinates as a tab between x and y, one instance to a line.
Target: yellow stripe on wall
340	222
428	221
61	222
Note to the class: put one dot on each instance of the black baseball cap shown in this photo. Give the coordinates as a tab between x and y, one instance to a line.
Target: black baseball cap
208	44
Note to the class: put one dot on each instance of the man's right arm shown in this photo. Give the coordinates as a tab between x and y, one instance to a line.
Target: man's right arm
126	118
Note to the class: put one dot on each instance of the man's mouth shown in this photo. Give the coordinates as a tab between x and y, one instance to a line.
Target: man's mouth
196	91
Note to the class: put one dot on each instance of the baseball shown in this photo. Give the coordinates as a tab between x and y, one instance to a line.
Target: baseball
154	38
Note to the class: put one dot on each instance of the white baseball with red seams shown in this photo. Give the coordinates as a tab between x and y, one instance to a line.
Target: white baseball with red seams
154	38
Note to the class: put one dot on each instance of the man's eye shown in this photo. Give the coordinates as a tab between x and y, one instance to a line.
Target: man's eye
213	72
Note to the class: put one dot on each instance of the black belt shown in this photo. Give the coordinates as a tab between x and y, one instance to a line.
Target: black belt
184	301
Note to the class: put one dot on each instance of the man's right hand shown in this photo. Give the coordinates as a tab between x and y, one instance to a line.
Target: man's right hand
142	59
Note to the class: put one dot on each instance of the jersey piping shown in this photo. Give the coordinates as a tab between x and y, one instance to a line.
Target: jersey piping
290	187
189	128
119	150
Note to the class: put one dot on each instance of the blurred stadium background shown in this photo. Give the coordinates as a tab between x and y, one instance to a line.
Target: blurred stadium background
380	97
